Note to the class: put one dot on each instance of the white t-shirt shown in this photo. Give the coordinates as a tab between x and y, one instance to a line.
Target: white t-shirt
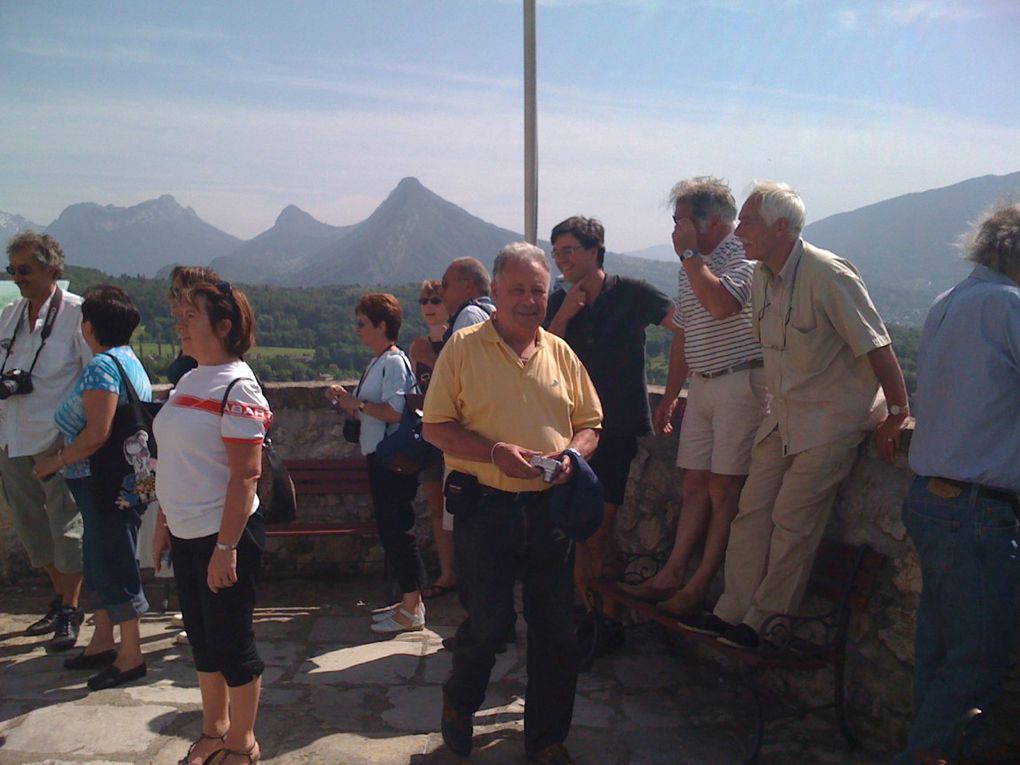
387	378
192	471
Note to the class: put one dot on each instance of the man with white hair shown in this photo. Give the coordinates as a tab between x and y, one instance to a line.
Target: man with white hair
962	509
828	362
503	392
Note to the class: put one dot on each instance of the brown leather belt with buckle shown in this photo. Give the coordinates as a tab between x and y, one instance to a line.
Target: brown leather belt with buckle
949	488
752	364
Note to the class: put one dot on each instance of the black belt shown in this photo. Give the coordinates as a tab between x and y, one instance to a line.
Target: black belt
999	495
506	496
752	364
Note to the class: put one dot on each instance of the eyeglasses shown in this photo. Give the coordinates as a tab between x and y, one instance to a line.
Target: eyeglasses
676	220
20	270
225	288
566	252
430	301
766	303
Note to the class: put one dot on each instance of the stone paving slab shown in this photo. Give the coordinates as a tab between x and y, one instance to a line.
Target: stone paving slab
335	693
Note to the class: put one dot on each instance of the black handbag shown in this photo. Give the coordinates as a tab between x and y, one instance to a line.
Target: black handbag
277	498
123	468
404	450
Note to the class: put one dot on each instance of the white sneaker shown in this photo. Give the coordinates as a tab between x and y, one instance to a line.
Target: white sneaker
181	638
390	626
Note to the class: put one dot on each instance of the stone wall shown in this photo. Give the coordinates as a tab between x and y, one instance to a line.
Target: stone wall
867	511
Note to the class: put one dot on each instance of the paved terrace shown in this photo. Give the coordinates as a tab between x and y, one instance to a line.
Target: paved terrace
336	694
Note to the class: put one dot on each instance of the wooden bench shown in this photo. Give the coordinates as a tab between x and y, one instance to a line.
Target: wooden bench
321	477
843	575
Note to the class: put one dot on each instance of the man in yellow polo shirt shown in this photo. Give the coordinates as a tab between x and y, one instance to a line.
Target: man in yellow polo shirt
503	392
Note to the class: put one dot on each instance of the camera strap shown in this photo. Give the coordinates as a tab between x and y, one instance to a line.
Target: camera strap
51	318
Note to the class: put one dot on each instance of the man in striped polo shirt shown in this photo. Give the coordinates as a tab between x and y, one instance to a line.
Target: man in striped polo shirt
726	401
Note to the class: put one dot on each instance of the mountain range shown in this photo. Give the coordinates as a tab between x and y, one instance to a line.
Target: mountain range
903	246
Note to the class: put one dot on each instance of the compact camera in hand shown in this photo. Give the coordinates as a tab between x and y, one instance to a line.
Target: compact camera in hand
17	382
550	467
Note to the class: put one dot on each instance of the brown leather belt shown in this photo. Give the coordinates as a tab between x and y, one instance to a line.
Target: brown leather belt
938	486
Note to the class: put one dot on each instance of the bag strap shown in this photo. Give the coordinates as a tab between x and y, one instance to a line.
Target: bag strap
267	442
411	373
133	399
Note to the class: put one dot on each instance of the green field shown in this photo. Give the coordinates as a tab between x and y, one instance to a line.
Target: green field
167	350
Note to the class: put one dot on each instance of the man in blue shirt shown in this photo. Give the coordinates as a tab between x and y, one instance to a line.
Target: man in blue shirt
962	509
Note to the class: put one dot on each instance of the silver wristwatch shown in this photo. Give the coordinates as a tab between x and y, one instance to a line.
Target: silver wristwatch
688	254
225	547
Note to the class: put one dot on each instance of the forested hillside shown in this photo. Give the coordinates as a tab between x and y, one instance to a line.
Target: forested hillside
304	333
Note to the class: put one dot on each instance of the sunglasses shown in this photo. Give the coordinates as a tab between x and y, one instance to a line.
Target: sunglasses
19	271
431	300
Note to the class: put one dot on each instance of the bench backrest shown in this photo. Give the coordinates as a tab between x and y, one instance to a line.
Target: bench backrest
845	573
347	475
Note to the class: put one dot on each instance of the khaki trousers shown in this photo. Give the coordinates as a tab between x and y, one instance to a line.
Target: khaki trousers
43	513
784	507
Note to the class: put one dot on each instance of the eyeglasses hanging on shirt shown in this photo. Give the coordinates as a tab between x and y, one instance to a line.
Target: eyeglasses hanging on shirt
766	303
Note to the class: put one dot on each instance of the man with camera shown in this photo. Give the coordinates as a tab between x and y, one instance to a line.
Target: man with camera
504	395
42	354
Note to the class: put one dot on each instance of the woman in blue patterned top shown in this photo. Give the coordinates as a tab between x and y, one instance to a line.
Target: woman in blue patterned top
110	541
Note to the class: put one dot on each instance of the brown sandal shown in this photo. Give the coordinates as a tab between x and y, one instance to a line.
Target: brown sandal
186	760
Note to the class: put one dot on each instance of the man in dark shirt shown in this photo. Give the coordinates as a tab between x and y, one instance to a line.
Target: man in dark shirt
603	319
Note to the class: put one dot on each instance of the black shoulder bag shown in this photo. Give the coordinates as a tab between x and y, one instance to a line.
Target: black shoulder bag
123	468
277	498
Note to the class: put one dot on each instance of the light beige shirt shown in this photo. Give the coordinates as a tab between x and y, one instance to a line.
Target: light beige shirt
816	325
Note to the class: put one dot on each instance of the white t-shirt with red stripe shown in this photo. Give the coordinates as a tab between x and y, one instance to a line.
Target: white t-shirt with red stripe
192	473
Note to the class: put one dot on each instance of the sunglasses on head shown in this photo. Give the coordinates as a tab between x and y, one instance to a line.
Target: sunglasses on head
19	271
431	300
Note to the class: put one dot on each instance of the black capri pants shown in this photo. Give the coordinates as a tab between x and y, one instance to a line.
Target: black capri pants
220	625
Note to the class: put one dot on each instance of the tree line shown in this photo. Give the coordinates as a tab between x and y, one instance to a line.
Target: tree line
321	320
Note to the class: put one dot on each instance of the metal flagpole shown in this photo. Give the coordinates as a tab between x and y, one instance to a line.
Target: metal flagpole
530	127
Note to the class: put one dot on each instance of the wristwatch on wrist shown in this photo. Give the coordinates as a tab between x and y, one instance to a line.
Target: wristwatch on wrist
225	547
896	410
688	254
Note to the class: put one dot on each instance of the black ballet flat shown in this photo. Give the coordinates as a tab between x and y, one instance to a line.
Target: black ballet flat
111	677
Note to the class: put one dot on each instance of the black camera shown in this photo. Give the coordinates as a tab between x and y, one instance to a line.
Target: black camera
17	382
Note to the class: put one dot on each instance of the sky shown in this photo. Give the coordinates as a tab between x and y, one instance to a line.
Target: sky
239	109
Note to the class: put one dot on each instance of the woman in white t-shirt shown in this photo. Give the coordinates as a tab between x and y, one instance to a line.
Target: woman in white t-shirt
378	403
210	435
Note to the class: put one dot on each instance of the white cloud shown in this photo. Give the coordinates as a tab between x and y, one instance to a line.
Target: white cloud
919	11
847	19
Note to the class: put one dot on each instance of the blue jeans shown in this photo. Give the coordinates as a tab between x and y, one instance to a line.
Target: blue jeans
968	549
110	555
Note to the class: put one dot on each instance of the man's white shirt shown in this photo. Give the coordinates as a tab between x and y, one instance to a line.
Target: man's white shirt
26	421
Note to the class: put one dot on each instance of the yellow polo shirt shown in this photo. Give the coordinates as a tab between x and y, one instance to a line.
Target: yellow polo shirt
482	384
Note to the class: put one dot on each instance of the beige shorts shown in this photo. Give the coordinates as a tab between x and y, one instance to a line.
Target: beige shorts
720	422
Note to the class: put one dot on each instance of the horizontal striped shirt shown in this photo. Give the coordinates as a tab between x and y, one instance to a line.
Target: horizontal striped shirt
711	345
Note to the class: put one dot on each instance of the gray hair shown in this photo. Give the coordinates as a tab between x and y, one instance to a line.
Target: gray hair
995	240
709	198
519	251
473	270
779	200
44	247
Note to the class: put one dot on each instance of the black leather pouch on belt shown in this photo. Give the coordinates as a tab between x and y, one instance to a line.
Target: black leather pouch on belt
462	492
